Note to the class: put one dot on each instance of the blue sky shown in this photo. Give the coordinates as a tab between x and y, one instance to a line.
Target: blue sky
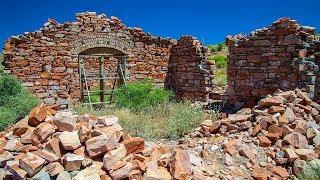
209	20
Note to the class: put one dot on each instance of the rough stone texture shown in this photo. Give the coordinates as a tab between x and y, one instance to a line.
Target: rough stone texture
189	73
47	60
233	149
70	140
288	145
31	163
269	59
112	157
101	144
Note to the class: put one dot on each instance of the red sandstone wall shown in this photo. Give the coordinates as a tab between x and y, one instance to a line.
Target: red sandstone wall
46	60
150	57
261	63
190	73
43	59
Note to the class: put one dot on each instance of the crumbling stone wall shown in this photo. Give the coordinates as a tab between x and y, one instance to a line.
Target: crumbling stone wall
264	61
190	73
317	58
47	60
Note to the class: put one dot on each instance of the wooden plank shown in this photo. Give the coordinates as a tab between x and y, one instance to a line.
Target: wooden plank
81	82
101	69
94	103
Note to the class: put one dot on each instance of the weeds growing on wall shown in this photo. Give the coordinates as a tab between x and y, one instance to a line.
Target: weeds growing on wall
166	120
15	101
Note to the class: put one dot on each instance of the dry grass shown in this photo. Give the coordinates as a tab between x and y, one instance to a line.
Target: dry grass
167	120
221	77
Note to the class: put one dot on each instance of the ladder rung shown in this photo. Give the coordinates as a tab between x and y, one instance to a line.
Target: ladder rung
106	93
94	78
95	91
93	103
105	74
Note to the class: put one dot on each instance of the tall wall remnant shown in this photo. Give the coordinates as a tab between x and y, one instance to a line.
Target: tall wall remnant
269	59
47	60
190	74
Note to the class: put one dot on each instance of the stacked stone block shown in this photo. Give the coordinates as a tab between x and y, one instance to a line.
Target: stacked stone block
190	73
47	60
263	62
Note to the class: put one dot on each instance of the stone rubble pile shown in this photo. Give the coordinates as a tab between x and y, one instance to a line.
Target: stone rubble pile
49	144
283	127
274	140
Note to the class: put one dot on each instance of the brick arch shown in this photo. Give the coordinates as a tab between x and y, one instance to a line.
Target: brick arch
108	41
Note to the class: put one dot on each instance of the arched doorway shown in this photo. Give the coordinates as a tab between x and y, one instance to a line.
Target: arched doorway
101	69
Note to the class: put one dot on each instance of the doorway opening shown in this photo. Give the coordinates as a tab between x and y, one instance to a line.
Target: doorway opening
101	70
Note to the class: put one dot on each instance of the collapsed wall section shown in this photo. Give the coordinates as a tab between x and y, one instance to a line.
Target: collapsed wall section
265	61
190	73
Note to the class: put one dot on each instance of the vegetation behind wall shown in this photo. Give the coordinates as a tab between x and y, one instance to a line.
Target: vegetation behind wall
15	101
219	54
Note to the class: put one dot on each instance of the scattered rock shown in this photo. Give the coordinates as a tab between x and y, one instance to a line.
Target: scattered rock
297	140
134	145
4	157
306	154
181	164
267	102
31	163
112	157
72	162
70	140
91	173
264	141
64	175
299	166
38	115
54	168
123	172
42	132
99	145
64	121
157	173
280	171
260	173
291	155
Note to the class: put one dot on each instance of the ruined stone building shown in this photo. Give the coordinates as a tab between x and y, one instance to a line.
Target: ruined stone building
52	60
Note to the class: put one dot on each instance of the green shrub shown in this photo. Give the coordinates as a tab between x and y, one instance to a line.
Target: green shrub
1	66
213	48
139	95
15	107
15	101
312	171
221	46
221	77
9	87
166	120
217	47
220	61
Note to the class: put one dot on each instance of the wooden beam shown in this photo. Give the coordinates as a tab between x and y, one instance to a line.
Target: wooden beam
101	74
